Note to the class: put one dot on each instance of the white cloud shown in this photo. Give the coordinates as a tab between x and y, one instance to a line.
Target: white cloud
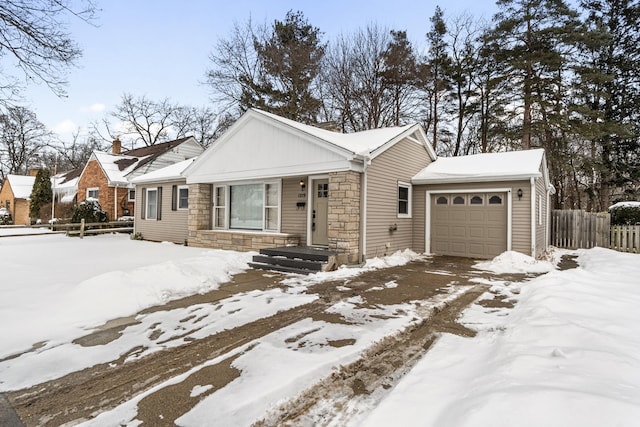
65	127
94	108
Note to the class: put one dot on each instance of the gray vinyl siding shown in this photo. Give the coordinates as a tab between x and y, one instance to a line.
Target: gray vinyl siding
521	210
541	228
294	218
186	150
398	163
172	226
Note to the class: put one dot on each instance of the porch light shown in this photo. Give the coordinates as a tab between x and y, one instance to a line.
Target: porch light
519	193
302	185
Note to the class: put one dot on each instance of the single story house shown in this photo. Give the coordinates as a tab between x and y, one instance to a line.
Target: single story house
270	181
15	196
162	204
106	176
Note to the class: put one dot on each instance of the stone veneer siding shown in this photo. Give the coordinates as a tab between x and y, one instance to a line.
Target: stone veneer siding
344	216
201	234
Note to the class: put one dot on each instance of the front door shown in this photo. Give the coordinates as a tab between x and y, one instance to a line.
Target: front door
319	215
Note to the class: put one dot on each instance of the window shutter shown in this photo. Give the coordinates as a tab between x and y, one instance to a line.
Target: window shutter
143	207
174	197
159	204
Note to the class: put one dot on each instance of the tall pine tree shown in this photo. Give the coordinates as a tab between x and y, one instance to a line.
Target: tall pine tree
41	194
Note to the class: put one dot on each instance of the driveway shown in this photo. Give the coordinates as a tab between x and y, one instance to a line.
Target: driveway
438	287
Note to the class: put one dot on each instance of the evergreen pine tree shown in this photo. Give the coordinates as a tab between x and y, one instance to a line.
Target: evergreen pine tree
41	193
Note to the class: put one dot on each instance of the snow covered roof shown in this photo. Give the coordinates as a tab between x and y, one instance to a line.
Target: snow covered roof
116	166
362	143
21	185
169	173
625	205
511	165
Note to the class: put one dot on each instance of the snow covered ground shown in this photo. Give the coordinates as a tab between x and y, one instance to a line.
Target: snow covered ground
567	354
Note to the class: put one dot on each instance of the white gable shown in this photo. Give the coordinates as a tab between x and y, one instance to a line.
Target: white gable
259	148
262	145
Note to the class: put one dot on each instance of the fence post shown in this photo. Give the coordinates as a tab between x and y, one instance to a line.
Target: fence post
82	228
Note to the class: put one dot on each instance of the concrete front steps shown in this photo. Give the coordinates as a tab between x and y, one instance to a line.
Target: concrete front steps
295	259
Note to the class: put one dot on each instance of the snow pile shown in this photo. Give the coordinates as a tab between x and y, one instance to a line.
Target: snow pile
512	262
566	355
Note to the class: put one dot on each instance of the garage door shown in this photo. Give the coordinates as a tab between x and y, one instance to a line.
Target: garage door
470	225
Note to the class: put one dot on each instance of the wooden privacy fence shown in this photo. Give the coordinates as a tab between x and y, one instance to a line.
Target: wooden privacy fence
573	229
625	238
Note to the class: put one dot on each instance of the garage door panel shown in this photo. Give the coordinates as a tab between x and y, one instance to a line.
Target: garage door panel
458	232
478	231
477	216
458	248
457	215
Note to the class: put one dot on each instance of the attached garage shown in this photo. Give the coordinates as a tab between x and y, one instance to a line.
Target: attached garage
481	205
474	224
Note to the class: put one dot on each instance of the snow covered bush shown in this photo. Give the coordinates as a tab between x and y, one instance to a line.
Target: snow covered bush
89	210
5	217
625	213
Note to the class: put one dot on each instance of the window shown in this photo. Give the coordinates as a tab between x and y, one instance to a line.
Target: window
220	207
476	200
495	200
183	197
152	203
458	200
404	200
271	207
323	191
247	206
539	209
92	193
132	195
442	200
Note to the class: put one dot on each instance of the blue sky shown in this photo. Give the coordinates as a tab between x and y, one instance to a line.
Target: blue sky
160	48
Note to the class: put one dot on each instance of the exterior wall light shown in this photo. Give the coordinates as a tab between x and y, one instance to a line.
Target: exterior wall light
302	185
519	193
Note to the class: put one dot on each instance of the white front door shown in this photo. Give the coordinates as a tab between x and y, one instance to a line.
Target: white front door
319	223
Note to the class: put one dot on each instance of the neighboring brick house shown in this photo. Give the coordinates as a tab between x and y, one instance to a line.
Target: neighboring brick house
15	195
106	176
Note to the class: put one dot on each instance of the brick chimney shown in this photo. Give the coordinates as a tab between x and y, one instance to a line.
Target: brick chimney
117	146
33	171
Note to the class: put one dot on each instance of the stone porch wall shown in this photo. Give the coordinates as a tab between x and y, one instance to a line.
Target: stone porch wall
344	216
238	240
199	210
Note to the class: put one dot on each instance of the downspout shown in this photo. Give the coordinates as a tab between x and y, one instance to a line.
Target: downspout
363	211
533	217
115	203
547	227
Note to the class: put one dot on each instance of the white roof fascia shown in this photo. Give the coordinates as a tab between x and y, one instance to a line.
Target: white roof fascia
469	179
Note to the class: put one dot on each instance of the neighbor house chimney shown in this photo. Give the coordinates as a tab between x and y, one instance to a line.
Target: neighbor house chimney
117	146
33	172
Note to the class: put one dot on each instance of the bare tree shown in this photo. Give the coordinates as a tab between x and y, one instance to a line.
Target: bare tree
34	37
22	137
236	70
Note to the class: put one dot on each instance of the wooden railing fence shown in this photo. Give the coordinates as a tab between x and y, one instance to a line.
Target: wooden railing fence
625	238
76	229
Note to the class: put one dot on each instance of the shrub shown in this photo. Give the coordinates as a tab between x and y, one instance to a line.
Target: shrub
5	217
625	213
89	210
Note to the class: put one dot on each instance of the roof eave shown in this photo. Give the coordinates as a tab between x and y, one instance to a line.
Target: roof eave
470	179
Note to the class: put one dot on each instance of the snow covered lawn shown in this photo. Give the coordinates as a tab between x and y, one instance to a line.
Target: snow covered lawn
568	354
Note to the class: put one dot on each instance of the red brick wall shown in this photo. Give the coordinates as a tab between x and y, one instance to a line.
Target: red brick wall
93	177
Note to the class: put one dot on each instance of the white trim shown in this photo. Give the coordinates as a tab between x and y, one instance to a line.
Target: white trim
468	180
97	189
409	187
146	208
429	193
227	211
533	217
178	188
310	192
